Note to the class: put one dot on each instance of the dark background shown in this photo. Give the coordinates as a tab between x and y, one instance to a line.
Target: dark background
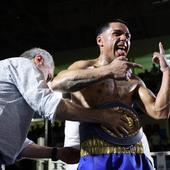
61	25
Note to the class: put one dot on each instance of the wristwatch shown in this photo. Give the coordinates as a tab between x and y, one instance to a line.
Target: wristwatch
54	154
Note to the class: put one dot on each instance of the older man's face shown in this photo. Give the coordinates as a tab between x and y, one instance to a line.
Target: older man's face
48	73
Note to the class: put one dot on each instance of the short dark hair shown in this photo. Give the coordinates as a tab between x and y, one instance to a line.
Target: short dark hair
106	25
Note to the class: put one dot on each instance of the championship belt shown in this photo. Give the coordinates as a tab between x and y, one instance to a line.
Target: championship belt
134	134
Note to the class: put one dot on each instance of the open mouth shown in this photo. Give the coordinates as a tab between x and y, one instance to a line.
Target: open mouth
121	49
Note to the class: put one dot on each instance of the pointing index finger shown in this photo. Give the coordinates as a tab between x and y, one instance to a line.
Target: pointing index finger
135	65
161	49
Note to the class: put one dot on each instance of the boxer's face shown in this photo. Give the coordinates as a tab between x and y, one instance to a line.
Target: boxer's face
115	41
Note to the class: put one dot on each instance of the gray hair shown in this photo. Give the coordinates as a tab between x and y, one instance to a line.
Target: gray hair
30	54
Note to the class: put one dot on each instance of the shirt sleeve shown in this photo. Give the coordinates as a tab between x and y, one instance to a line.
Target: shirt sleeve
146	149
25	144
72	137
30	82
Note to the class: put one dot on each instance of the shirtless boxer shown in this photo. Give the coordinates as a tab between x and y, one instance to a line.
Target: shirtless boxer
119	89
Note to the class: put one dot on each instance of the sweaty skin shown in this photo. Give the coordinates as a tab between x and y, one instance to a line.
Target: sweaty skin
108	90
109	78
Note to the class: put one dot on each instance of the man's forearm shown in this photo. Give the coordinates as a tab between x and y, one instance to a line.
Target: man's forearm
36	151
162	103
66	154
67	110
73	80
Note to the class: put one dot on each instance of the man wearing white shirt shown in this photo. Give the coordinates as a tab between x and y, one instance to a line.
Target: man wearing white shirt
24	91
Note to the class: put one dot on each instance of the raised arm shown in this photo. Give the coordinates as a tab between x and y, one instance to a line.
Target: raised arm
158	106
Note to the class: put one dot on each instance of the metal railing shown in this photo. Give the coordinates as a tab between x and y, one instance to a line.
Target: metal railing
161	160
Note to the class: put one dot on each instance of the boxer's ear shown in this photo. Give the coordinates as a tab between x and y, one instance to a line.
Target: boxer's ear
99	40
38	60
